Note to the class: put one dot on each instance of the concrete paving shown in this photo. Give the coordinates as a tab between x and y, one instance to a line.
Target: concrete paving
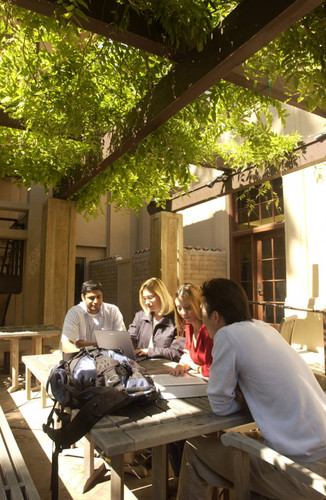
25	419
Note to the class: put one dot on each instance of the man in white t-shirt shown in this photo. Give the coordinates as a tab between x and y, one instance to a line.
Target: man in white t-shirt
89	315
253	364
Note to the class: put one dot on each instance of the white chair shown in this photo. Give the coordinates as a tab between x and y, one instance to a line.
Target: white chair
244	447
287	328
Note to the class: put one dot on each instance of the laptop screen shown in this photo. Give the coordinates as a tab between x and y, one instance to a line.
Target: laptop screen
114	339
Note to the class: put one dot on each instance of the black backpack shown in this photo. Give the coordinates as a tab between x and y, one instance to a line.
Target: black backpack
96	382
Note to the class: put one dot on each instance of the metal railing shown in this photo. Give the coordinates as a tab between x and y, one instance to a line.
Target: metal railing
308	310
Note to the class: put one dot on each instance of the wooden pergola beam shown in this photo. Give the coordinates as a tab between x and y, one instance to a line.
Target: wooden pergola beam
151	38
6	121
310	154
246	30
276	90
104	18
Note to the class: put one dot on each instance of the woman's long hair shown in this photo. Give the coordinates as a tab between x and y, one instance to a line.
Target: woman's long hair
155	285
192	294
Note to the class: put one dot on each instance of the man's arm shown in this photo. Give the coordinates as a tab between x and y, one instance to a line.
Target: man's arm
70	331
118	320
68	345
223	377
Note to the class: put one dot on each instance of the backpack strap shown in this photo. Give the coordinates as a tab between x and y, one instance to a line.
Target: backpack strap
54	487
105	401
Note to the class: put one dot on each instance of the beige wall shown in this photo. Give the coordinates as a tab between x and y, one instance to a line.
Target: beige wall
305	206
120	233
307	124
93	232
207	225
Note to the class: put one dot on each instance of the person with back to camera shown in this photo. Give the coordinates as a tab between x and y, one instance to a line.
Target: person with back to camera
89	315
153	330
282	394
197	353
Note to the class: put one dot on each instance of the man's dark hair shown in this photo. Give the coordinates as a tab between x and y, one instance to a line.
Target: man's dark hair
90	285
227	298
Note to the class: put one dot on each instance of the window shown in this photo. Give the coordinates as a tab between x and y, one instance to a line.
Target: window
255	209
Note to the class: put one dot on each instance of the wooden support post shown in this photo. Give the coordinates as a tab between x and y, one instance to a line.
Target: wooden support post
58	260
166	257
117	477
159	472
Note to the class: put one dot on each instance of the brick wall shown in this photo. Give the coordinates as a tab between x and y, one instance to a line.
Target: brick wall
106	271
200	264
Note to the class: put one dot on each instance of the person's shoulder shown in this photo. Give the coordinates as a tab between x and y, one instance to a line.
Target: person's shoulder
76	309
169	318
141	316
262	325
110	307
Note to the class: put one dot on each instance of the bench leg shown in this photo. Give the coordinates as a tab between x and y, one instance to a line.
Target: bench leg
28	383
14	364
43	396
37	345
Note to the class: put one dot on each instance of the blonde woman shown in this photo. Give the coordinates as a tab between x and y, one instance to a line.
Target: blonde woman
153	330
198	348
197	354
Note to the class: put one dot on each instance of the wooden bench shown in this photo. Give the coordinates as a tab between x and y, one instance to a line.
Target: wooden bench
15	480
244	447
40	366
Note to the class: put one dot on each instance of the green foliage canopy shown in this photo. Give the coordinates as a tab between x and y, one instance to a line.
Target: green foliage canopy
70	88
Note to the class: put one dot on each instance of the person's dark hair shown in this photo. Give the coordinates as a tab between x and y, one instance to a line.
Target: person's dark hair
90	285
227	298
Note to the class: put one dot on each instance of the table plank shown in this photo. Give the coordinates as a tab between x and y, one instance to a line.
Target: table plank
134	436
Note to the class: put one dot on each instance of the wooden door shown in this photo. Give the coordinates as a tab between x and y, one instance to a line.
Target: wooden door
261	270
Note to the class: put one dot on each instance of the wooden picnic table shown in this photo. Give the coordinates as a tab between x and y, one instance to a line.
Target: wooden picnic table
152	425
15	333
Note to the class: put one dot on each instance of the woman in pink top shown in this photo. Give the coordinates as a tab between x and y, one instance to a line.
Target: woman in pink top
197	354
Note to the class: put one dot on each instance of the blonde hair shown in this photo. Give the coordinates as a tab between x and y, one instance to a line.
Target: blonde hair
155	285
192	294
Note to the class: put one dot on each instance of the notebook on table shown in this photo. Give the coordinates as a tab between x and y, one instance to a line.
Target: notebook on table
186	386
114	339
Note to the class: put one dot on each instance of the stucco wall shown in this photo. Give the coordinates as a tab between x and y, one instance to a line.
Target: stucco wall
305	243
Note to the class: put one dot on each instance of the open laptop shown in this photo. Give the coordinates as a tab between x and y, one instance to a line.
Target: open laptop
114	339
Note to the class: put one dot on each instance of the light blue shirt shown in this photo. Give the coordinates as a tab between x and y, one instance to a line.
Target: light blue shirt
80	325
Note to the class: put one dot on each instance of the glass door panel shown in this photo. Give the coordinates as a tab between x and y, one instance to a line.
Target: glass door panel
271	274
262	273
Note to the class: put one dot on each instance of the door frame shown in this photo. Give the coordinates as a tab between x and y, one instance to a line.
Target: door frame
252	235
